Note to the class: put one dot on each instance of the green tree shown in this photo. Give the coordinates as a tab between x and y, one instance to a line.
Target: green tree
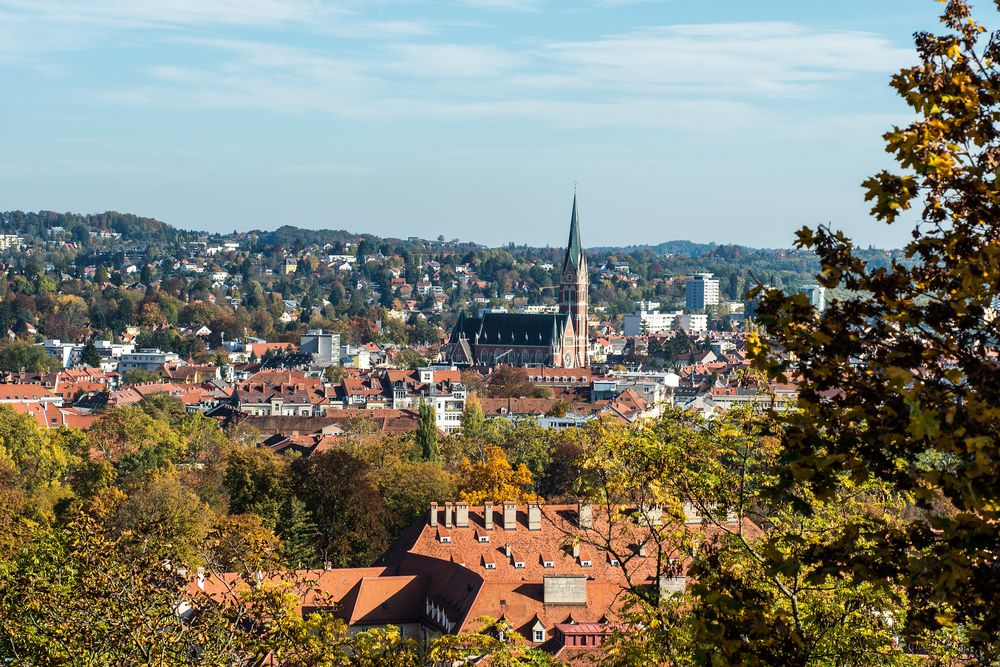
905	351
89	356
298	534
426	435
139	376
16	356
257	482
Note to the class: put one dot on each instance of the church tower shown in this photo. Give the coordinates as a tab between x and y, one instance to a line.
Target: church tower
574	298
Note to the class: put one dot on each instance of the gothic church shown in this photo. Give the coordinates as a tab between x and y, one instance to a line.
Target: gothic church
514	339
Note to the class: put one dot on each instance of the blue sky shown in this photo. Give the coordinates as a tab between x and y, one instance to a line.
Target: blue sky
709	120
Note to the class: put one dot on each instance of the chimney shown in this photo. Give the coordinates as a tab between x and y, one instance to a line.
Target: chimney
488	515
201	578
509	516
462	515
576	550
327	565
643	551
585	515
507	550
448	507
434	515
534	516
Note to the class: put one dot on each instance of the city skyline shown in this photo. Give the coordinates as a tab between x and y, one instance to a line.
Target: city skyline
471	120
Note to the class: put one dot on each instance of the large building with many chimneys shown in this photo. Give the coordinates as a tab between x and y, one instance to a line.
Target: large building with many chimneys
556	340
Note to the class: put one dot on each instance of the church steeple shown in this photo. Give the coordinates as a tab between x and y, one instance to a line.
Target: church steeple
574	300
574	250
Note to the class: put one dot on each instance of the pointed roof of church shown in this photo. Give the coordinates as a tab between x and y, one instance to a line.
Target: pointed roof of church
574	249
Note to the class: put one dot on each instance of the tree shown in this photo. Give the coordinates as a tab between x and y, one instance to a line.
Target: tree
334	374
89	356
750	597
559	408
494	479
473	420
165	517
257	482
298	534
134	441
410	359
509	382
897	383
426	434
40	458
350	515
139	376
16	356
408	487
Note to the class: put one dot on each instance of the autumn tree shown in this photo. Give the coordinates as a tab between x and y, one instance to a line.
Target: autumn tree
750	597
509	382
898	377
134	441
494	479
350	515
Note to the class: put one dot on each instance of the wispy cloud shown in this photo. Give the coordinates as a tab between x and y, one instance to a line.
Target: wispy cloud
515	5
345	18
454	60
360	64
758	58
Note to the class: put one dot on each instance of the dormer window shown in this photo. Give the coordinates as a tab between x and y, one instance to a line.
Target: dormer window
614	562
446	539
548	563
483	539
538	632
490	566
585	563
519	565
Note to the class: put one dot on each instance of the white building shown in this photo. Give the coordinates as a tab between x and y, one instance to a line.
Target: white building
702	291
10	241
324	346
68	354
816	295
693	322
146	359
646	322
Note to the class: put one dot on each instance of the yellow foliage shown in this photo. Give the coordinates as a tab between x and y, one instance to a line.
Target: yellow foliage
495	479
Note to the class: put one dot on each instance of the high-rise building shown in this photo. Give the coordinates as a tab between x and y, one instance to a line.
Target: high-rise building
702	291
816	295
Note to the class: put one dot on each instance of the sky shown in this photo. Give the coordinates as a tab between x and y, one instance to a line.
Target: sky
724	121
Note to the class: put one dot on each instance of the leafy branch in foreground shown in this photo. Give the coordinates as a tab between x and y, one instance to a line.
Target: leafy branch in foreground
899	381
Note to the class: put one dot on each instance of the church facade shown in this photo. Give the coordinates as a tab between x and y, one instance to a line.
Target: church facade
514	339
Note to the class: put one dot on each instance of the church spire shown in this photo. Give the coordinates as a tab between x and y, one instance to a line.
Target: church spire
574	249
